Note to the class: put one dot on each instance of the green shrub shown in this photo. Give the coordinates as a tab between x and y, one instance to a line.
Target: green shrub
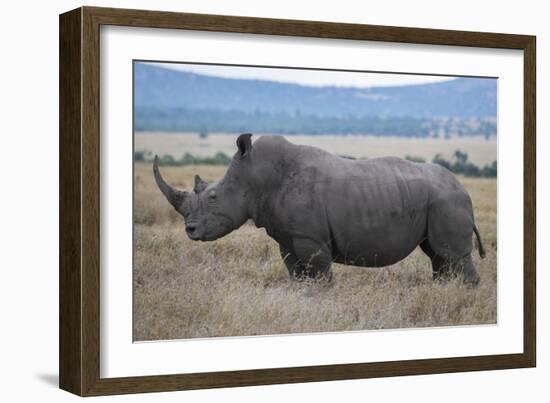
461	166
414	158
438	159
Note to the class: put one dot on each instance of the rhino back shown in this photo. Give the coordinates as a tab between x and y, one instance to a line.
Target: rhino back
370	212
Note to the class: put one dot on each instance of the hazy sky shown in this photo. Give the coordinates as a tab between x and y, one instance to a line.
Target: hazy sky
307	77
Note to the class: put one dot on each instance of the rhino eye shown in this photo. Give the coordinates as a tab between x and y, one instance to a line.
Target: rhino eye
212	196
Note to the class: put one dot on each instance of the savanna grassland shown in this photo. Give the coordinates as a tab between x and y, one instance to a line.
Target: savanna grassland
238	285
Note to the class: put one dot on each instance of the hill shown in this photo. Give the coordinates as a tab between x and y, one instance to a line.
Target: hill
169	100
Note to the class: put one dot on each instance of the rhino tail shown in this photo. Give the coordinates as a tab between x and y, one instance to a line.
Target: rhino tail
481	249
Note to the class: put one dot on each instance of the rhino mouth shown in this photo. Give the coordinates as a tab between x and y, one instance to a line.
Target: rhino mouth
216	226
196	234
191	229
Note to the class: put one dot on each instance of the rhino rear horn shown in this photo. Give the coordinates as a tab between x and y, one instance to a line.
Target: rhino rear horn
244	143
200	185
174	196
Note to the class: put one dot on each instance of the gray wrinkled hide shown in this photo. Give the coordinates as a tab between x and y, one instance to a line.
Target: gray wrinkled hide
321	208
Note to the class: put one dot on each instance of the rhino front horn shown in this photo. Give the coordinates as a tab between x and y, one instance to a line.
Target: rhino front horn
174	196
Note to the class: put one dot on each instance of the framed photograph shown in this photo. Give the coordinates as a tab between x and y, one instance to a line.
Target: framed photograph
249	201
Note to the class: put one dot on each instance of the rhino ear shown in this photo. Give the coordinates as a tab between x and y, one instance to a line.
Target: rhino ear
244	143
200	185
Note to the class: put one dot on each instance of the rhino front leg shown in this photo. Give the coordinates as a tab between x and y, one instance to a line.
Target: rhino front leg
313	259
291	261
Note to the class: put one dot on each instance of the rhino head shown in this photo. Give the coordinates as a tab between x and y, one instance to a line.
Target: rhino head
213	210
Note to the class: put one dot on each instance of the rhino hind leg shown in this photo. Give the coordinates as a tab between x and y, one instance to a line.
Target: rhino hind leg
308	259
444	268
440	265
466	267
450	231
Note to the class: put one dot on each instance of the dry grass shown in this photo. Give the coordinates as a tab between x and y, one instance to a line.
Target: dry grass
480	151
238	285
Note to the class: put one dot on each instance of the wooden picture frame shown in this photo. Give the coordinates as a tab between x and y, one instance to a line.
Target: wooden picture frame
79	347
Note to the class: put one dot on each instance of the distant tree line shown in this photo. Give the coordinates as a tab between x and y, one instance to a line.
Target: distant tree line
187	159
220	121
459	163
